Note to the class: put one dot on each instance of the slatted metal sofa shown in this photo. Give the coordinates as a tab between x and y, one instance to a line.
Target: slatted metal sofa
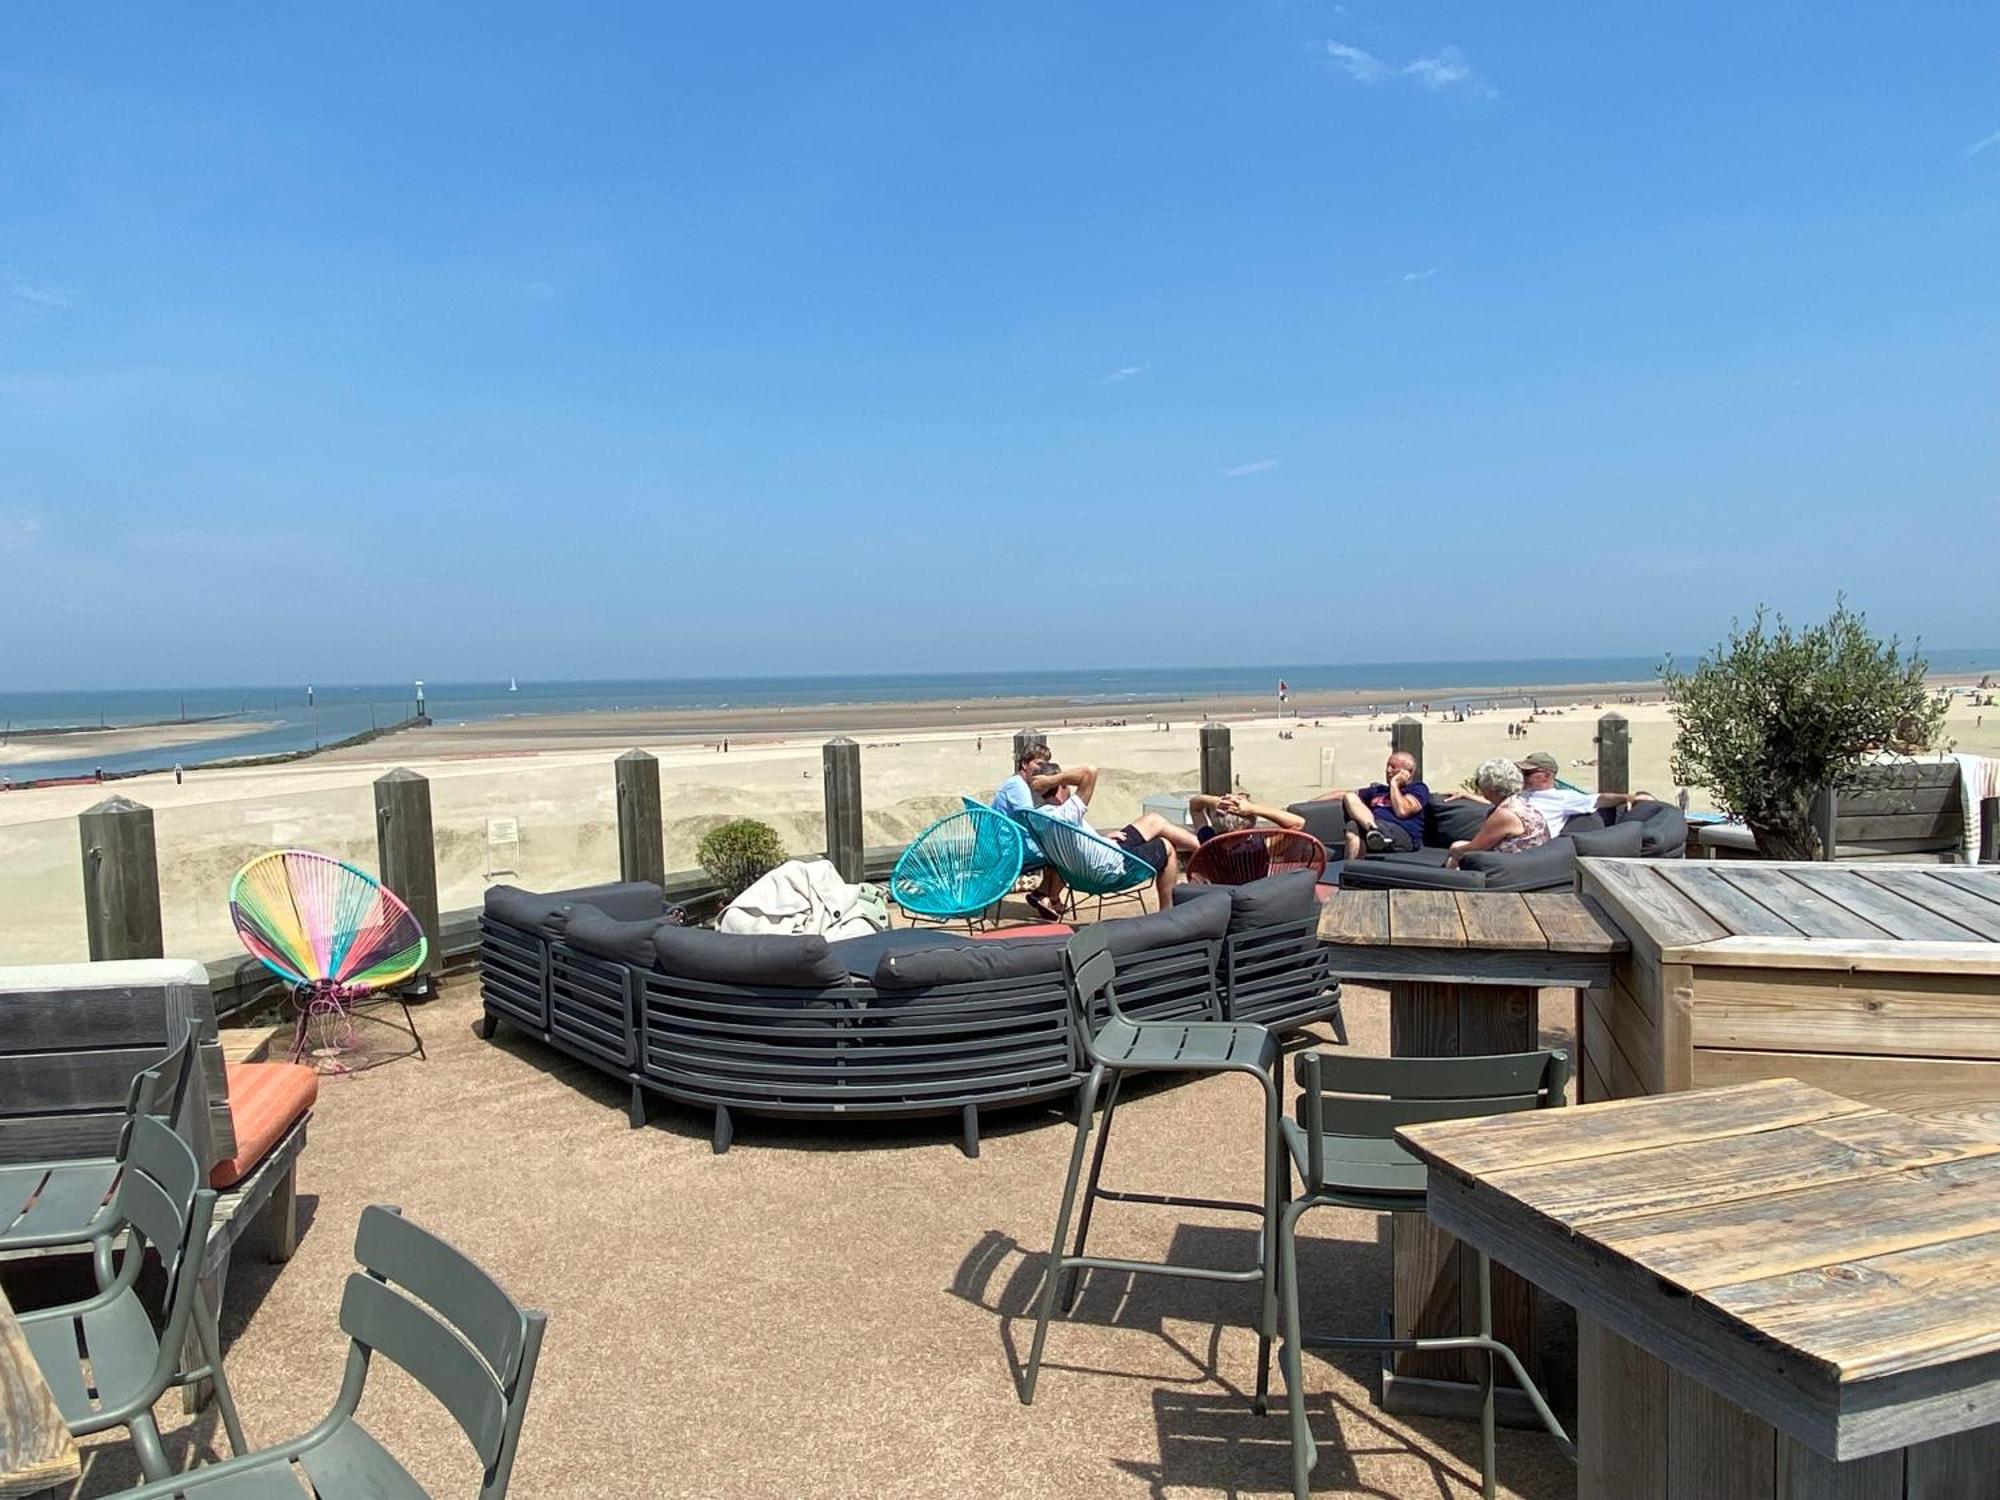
904	1023
1900	810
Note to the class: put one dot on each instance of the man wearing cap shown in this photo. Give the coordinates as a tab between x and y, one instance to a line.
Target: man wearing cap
1558	804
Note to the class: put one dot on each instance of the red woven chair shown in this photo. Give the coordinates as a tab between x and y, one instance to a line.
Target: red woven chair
1252	853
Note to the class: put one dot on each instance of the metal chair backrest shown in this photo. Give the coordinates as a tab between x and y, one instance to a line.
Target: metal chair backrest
1082	858
962	863
1090	975
165	1203
1371	1097
1252	853
422	1305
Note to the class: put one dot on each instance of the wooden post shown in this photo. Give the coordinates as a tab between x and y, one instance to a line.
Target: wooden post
1614	753
1989	830
407	853
842	775
1024	738
121	881
642	851
1408	734
1217	776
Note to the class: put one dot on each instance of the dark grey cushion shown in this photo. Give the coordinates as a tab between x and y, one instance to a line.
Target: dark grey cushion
1325	821
1585	822
1549	868
547	912
1449	819
1664	827
1183	922
774	960
1270	902
1622	841
860	955
970	963
625	942
1405	874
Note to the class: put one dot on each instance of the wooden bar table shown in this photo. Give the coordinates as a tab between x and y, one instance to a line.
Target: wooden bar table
1781	1294
1875	980
36	1450
1464	970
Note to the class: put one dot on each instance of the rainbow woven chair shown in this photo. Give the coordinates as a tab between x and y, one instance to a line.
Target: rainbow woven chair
959	866
333	934
1089	865
1252	853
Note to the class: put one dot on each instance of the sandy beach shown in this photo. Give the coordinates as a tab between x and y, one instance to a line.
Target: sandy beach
530	800
24	746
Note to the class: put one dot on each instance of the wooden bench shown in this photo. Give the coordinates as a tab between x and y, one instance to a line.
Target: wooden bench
1910	810
72	1038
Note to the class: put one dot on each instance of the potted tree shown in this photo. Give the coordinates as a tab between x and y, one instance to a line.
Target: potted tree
738	854
1774	715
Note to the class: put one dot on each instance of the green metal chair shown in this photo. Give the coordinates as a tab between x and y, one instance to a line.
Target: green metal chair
109	1357
49	1205
473	1347
1120	1046
1345	1149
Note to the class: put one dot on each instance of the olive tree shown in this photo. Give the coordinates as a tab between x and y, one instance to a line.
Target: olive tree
1774	714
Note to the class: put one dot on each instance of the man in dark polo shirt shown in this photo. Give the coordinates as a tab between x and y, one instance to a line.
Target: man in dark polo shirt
1386	816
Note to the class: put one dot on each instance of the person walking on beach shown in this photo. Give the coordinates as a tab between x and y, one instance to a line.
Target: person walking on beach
177	773
1386	816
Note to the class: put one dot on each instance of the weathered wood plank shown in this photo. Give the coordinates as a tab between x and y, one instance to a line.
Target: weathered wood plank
1739	912
1498	919
1805	1010
1966	1463
1926	1087
1357	917
1473	966
1940	897
39	1083
1638	1039
1423	1022
1715	1449
1806	1475
1572	924
1981	881
1805	908
1973	957
1643	906
1601	1048
1424	919
1490	1023
1466	1147
36	1450
1896	915
1621	1416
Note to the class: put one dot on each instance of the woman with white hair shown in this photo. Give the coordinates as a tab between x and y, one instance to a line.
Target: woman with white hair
1514	824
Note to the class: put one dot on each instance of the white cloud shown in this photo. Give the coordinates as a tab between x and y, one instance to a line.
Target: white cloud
1446	68
1123	372
1255	466
1361	66
1424	275
39	296
19	530
1978	146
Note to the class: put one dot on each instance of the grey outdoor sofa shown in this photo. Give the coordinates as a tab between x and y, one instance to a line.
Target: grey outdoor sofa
903	1023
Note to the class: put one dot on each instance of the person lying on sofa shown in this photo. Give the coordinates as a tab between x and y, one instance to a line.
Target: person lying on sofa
1386	816
1014	798
1514	824
1150	837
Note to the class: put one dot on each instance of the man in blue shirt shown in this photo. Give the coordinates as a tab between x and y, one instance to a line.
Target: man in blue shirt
1016	795
1385	816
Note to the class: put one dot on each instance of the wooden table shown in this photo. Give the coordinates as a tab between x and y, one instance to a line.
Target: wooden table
1782	1294
1464	971
1879	981
36	1450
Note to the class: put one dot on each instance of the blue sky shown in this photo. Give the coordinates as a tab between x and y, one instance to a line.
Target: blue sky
371	340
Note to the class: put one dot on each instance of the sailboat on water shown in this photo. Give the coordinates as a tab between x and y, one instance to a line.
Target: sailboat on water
513	686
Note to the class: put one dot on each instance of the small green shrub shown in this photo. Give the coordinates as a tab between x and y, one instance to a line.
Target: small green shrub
738	854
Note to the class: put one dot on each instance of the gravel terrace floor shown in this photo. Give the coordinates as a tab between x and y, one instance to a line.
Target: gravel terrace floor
827	1311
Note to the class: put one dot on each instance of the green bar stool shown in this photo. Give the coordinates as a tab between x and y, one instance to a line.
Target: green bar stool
1345	1148
1114	1048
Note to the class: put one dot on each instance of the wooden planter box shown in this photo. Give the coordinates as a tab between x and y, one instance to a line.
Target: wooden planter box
1879	982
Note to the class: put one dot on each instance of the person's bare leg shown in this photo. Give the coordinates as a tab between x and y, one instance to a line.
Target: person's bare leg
1163	886
1153	826
1354	848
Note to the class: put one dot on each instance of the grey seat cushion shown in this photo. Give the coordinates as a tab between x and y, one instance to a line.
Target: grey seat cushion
547	912
1620	841
777	961
1449	819
592	931
1551	867
969	963
1664	826
859	956
1183	922
1270	902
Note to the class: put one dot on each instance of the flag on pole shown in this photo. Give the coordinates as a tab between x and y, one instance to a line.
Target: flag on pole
1283	691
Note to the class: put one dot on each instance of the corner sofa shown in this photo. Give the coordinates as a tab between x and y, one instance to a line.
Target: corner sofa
1648	830
900	1023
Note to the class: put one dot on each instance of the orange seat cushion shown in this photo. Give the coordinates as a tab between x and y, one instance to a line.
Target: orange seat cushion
1043	929
265	1100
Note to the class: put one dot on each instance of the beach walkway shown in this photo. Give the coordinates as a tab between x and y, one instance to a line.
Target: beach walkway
822	1313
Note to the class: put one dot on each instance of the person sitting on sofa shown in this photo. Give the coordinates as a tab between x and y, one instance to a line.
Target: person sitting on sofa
1558	804
1514	824
1151	837
1231	812
1386	816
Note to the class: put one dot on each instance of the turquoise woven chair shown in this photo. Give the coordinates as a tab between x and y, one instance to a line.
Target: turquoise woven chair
1081	858
959	866
1031	852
